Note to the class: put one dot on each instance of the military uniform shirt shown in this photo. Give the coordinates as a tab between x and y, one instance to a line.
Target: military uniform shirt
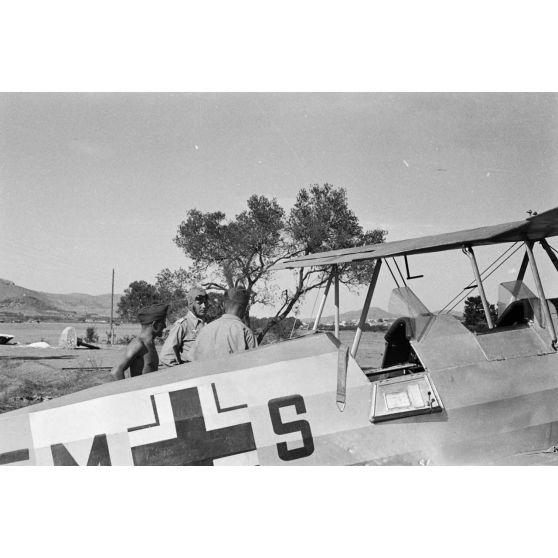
182	335
222	337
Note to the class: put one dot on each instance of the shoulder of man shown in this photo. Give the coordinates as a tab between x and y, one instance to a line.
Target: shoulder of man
239	326
177	323
137	344
193	319
211	325
185	323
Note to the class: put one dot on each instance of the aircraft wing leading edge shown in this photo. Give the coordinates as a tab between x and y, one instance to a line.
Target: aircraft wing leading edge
534	228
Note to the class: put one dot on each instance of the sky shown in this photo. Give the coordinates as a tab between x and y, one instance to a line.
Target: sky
95	181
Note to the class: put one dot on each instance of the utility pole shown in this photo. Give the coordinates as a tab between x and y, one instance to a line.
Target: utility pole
111	310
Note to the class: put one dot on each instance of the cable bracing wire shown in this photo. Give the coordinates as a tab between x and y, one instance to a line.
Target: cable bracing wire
388	266
487	276
464	296
473	281
400	274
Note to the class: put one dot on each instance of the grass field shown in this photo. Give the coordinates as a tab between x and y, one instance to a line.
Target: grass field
29	375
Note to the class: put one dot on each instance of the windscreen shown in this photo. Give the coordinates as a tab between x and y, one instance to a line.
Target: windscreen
405	303
512	291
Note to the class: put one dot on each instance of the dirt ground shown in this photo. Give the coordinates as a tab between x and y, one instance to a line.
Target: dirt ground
29	375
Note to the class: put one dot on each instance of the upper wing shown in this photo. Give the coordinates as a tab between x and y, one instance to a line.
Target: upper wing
534	228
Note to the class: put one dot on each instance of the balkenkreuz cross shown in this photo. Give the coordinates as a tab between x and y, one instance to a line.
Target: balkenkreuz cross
194	444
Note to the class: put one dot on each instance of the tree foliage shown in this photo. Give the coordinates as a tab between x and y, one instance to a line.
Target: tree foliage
473	314
243	250
238	251
136	296
171	288
321	220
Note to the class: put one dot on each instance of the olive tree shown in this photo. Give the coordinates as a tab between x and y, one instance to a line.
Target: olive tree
243	250
136	296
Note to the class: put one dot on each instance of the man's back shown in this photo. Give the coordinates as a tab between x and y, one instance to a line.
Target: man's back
145	360
222	337
140	356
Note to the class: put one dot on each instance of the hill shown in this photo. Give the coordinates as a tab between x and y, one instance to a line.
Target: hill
374	313
19	302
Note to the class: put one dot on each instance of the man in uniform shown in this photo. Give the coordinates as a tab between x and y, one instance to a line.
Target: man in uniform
228	334
141	355
185	330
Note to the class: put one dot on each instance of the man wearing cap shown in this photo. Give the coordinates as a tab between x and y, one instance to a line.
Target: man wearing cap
141	355
185	330
228	334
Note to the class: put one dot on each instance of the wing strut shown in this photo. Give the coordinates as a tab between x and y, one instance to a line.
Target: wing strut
333	276
468	251
523	268
550	253
336	298
366	307
540	290
322	303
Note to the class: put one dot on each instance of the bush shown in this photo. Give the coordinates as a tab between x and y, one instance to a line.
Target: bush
91	335
283	329
473	314
124	340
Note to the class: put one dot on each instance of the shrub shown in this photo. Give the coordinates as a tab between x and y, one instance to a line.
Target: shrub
125	339
91	335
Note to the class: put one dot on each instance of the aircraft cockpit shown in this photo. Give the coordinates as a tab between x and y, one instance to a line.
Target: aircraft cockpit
517	305
401	386
413	319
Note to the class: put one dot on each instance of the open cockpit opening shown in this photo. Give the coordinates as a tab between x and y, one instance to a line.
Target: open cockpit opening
399	356
517	305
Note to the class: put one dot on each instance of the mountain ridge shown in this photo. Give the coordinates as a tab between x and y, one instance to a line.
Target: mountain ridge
28	303
374	313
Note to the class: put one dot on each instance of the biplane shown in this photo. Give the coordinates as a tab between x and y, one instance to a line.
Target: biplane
443	394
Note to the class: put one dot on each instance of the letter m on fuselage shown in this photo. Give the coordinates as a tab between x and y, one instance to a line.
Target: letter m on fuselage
98	453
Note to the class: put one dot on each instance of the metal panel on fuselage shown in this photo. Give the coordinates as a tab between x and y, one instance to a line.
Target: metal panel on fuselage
494	413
